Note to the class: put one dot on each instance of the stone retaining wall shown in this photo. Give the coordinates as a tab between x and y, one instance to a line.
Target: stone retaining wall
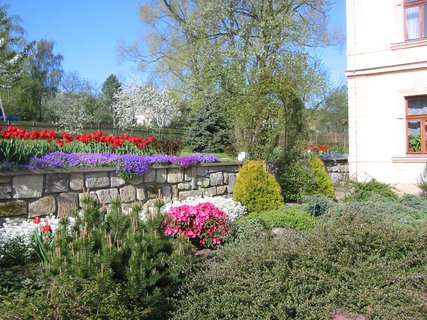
337	169
59	191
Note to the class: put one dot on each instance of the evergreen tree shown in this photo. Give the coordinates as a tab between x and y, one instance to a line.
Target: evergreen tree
110	88
208	130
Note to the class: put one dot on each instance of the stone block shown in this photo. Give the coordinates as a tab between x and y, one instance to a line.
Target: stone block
5	179
175	176
167	193
188	174
106	196
175	192
226	178
190	194
92	195
56	183
13	208
117	181
127	207
67	202
140	194
42	207
161	175
217	179
5	191
202	171
97	180
184	186
27	186
209	192
150	176
203	182
76	181
128	193
220	190
136	180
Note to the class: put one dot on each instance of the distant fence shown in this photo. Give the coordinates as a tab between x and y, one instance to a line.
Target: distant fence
331	138
172	133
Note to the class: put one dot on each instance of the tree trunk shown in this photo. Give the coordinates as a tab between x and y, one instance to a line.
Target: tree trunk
2	109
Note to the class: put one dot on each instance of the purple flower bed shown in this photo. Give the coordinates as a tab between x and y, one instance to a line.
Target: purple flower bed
129	164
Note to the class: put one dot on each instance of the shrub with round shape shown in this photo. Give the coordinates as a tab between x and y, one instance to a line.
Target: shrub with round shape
256	188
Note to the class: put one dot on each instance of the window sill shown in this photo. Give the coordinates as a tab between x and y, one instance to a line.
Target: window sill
410	158
409	44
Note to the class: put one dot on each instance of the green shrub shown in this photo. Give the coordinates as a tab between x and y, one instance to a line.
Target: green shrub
360	263
257	189
110	266
322	181
317	205
362	191
289	217
301	176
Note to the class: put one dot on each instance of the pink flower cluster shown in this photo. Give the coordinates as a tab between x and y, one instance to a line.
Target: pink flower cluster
204	224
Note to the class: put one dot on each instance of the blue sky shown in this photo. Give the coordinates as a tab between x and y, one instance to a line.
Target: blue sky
86	33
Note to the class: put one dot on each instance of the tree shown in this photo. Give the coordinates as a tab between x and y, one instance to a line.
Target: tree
45	67
110	88
332	114
69	110
208	131
142	103
13	51
221	50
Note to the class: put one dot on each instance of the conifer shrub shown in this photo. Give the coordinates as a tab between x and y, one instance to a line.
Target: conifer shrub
322	181
317	205
292	217
109	265
302	176
256	188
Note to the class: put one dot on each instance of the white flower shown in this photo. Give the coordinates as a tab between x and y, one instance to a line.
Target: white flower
232	208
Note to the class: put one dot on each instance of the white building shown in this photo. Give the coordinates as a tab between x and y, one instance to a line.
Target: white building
387	87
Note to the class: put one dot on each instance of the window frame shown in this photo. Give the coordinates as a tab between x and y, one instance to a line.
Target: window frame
422	118
422	4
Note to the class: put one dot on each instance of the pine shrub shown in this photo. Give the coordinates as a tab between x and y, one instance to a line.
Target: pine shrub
257	189
125	263
363	191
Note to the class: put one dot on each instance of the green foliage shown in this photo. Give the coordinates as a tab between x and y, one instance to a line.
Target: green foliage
292	217
208	131
300	176
109	266
422	181
360	263
322	181
317	205
364	190
15	252
257	189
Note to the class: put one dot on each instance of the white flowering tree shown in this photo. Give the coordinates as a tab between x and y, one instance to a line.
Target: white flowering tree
69	111
142	104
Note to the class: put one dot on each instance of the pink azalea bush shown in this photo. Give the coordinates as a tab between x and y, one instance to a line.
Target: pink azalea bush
204	224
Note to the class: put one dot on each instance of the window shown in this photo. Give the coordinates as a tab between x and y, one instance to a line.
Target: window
416	124
415	19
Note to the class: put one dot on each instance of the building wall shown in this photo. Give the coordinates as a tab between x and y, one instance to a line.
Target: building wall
383	69
29	194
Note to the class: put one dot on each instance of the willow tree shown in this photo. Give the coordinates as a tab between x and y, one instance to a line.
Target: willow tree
218	50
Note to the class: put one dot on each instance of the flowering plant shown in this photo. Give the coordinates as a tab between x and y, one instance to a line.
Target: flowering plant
319	149
204	224
42	239
233	209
